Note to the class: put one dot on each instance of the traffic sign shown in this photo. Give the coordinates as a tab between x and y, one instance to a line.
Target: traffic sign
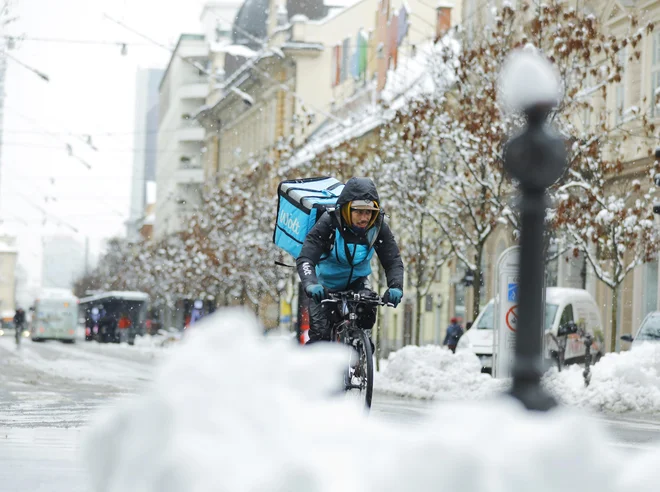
512	292
512	318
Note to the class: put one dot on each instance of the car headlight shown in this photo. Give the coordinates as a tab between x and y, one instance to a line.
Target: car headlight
2	332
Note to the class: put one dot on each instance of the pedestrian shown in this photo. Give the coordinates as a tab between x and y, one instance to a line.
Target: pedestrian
124	324
197	312
454	333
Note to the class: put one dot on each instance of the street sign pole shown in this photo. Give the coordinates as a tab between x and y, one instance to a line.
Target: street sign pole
506	312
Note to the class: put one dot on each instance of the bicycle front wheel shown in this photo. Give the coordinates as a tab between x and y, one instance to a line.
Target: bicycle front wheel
362	370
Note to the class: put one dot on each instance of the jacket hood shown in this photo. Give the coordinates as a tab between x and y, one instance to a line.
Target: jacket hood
358	189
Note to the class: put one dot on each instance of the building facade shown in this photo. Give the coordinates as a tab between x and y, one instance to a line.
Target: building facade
8	257
145	145
179	174
323	77
63	262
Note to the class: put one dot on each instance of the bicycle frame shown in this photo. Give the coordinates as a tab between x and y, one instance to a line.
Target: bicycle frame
347	331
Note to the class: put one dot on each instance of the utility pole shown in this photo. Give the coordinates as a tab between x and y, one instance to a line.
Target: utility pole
3	71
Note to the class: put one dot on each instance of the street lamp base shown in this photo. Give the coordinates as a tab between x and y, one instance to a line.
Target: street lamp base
532	395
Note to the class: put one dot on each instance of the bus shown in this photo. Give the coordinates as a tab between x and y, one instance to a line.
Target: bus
105	312
55	317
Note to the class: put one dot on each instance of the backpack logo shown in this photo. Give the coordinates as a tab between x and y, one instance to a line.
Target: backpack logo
290	222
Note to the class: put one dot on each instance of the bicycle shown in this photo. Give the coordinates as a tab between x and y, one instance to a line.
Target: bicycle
18	333
359	375
572	328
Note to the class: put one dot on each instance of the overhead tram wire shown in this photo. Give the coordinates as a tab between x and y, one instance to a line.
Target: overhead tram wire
75	41
40	74
47	214
206	72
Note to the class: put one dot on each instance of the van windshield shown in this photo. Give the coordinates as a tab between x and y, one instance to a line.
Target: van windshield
486	318
650	330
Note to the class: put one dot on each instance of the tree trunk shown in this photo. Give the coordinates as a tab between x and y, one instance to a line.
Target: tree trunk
419	273
418	317
615	310
476	287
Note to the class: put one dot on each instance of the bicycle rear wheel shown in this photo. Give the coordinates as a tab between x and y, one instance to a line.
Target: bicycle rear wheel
361	370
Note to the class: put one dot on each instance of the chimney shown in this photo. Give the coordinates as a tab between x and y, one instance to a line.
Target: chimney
442	19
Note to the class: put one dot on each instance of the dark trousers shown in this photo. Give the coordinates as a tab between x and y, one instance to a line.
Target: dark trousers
323	316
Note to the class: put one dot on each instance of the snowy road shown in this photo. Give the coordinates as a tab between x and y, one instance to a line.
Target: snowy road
48	391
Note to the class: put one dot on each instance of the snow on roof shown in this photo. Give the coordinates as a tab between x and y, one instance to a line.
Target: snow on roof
125	295
7	249
247	98
233	49
298	45
414	76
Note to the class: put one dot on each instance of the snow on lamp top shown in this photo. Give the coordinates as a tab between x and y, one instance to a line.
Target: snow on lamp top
528	79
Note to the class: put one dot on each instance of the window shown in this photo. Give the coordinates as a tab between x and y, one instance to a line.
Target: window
550	313
650	330
566	315
486	319
459	299
345	60
621	86
650	294
655	73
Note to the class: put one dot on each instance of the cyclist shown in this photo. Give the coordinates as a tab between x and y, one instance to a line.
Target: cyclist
19	324
337	251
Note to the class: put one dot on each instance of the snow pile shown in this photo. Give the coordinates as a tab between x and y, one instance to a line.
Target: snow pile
230	411
433	372
624	382
157	341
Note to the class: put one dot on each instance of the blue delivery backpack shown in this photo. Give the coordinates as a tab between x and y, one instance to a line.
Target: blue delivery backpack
300	203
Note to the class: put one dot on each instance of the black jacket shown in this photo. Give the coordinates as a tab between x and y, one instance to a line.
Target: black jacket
321	239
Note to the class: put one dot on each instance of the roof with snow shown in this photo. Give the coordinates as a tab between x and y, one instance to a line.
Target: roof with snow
414	76
115	294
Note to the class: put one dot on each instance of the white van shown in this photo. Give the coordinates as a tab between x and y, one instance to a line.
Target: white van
561	306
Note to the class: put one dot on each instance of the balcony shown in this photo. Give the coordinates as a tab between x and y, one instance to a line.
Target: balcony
190	134
193	175
196	90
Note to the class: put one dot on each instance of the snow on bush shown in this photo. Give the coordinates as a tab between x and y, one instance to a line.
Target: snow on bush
232	411
433	372
623	382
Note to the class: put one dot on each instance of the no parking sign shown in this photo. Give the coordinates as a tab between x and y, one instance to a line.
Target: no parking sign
506	312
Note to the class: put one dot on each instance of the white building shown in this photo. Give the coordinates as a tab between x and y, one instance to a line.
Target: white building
63	262
179	173
8	256
145	145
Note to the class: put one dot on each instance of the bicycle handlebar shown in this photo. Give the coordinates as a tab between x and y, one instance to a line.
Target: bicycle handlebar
354	297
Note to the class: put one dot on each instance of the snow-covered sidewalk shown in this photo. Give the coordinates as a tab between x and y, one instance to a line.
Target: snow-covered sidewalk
624	382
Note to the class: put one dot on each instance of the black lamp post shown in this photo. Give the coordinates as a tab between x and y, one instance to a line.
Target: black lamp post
536	158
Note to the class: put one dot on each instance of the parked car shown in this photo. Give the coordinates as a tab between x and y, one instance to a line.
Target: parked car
648	331
562	305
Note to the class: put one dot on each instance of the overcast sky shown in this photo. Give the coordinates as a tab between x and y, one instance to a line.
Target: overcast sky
91	91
